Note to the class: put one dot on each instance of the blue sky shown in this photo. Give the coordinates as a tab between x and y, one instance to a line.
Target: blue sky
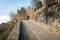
11	5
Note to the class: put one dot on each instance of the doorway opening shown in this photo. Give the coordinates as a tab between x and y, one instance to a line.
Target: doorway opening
27	17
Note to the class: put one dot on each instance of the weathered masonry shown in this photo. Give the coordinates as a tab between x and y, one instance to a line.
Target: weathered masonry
30	13
22	14
50	2
53	9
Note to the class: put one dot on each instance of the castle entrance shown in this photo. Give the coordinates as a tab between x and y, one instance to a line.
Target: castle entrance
27	17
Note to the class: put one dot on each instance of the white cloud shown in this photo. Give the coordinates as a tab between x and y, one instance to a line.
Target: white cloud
4	18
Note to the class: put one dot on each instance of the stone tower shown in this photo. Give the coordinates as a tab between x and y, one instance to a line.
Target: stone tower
22	14
30	12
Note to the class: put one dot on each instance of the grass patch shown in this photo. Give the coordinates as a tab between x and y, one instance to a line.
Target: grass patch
5	30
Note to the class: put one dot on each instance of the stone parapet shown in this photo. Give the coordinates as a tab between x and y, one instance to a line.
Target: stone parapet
15	32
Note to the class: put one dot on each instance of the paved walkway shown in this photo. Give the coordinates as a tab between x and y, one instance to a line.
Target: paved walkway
31	30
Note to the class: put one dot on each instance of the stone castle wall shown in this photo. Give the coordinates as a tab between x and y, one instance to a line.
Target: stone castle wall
38	15
22	14
53	14
30	12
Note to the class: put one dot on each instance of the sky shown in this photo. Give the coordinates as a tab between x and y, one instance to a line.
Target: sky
6	6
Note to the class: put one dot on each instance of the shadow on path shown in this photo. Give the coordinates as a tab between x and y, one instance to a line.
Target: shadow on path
22	32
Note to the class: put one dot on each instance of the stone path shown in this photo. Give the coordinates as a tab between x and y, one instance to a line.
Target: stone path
30	31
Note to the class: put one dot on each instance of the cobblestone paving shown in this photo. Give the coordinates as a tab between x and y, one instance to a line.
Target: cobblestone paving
32	32
29	30
53	31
